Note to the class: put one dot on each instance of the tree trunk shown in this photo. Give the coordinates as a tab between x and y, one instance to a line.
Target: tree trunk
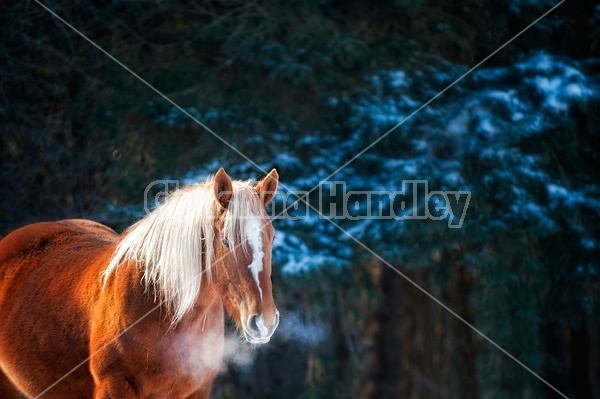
422	351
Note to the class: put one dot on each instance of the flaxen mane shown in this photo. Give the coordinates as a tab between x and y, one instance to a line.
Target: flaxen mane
174	244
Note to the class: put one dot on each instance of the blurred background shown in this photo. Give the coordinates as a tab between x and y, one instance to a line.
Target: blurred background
303	86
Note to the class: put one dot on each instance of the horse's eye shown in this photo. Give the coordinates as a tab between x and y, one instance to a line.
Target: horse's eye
225	242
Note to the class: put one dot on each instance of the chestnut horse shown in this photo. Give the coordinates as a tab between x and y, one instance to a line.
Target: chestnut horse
85	313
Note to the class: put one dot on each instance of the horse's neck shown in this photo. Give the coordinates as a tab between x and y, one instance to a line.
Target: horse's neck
125	290
205	319
207	314
207	300
208	305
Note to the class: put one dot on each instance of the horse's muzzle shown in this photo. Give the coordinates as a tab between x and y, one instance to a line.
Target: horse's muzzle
257	331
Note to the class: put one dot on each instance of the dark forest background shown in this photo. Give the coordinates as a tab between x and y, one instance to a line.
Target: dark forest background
303	86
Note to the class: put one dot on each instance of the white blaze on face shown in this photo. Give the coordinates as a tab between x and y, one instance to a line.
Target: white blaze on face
254	235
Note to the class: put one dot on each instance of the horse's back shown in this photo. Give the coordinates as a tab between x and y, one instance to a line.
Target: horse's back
52	248
41	238
49	275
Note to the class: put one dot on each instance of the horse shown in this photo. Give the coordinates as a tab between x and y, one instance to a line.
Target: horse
86	313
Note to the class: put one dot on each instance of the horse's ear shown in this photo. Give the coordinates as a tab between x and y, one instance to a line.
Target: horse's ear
267	188
223	188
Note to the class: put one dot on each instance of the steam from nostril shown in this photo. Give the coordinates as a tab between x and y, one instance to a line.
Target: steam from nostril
293	328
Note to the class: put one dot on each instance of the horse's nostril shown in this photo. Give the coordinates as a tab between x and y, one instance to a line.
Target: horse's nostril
253	323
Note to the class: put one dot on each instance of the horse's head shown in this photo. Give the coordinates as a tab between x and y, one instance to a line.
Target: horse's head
243	240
